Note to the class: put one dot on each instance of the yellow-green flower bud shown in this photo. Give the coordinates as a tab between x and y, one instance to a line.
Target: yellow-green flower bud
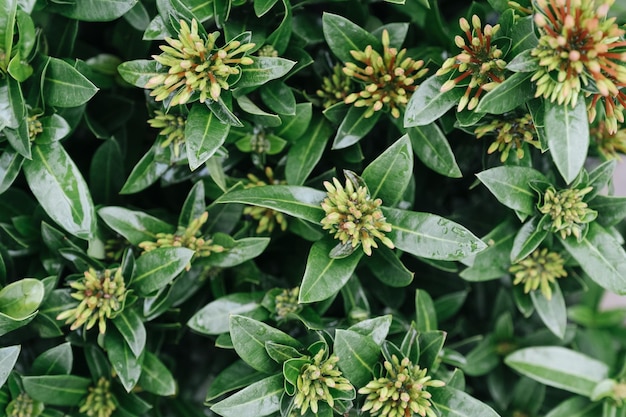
99	402
287	303
538	270
34	127
267	218
608	144
24	406
567	210
172	128
511	135
337	87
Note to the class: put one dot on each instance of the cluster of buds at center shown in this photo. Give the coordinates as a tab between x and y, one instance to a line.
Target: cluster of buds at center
480	60
171	127
401	392
567	210
267	218
539	270
609	144
314	380
335	87
34	127
511	134
353	216
186	237
101	295
24	406
196	65
578	46
388	79
99	402
287	303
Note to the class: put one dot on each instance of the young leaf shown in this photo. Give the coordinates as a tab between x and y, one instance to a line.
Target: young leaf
157	268
65	86
359	355
511	186
260	399
432	148
425	316
343	36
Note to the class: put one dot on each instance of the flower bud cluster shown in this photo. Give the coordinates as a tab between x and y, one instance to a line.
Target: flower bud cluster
34	127
189	237
99	401
480	61
401	392
578	47
196	65
101	295
538	270
267	218
354	217
335	88
287	302
24	406
511	134
388	80
171	127
315	379
608	144
267	51
569	213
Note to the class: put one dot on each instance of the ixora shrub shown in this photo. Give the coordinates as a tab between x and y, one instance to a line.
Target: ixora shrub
311	208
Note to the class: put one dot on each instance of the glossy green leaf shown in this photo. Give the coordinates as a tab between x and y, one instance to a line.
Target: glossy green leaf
389	174
8	10
567	131
157	268
135	226
10	167
301	202
430	236
12	105
8	359
601	257
611	210
278	97
295	126
376	328
528	238
575	407
454	403
281	353
155	377
508	95
425	316
257	114
214	317
58	185
147	171
63	390
511	186
19	139
124	362
429	103
54	128
307	151
138	72
237	251
354	127
552	312
130	325
57	360
105	176
359	355
261	398
324	276
483	358
94	10
430	345
65	86
493	262
263	70
249	337
19	302
204	134
523	35
600	177
432	148
559	367
343	36
389	270
236	375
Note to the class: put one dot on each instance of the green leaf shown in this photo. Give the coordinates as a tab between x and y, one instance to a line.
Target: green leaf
307	151
130	325
325	276
12	105
611	210
354	126
105	176
553	312
157	268
249	337
601	257
483	358
135	226
236	375
278	97
359	356
511	186
376	328
454	403
389	270
261	398
19	302
8	359
263	6
138	72
295	127
430	345
281	353
204	134
124	362
62	390
8	10
257	114
429	103
155	377
432	148
523	35
528	238
214	317
389	174
237	251
54	361
54	128
559	367
263	70
430	236
297	201
493	262
58	185
147	171
65	86
10	167
425	316
343	36
576	407
508	95
93	10
567	131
